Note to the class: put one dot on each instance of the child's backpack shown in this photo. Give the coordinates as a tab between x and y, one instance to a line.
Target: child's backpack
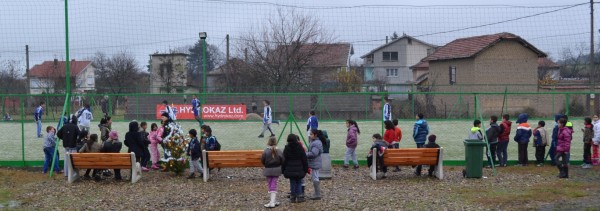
211	147
325	142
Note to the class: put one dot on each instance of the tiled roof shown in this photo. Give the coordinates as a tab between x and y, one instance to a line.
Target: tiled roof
323	55
544	62
404	36
422	65
471	46
50	69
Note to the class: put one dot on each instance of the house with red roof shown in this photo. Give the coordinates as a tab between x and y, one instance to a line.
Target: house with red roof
51	75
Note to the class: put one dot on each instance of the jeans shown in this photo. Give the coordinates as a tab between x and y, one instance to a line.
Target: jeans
195	166
350	153
296	186
540	151
523	160
48	152
39	128
272	183
587	153
418	170
145	157
68	150
501	152
314	175
493	149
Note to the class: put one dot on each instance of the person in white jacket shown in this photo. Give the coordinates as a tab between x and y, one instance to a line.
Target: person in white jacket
85	118
596	140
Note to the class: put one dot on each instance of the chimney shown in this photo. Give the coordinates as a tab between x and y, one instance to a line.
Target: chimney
55	64
386	39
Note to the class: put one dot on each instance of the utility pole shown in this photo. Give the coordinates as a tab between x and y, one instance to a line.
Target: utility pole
27	69
592	71
227	41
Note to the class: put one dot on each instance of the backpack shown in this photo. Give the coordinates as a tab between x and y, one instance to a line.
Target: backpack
217	146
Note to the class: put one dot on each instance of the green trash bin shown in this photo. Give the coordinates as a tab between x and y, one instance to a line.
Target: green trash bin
473	158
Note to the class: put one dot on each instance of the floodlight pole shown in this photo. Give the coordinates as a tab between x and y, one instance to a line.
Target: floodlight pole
204	86
68	60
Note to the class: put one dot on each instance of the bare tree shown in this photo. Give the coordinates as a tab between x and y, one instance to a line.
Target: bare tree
282	49
574	62
119	73
170	74
11	73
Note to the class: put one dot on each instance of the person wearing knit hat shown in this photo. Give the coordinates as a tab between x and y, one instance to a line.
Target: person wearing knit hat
113	145
432	144
522	138
113	135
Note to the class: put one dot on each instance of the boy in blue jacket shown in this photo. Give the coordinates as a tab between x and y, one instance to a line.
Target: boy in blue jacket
193	151
522	138
552	150
420	132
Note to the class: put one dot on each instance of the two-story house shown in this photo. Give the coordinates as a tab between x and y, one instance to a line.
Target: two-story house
387	66
45	77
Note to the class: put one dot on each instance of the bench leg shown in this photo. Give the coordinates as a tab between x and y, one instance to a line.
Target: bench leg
136	172
373	167
72	173
439	169
205	171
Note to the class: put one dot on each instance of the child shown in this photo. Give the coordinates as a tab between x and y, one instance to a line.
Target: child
387	110
563	147
272	158
146	141
431	144
475	133
380	145
389	135
522	138
82	139
211	141
49	147
396	144
91	146
113	145
312	123
540	141
37	116
493	132
194	152
503	140
294	167
104	126
596	141
314	160
84	118
351	143
154	138
267	119
552	150
588	134
420	132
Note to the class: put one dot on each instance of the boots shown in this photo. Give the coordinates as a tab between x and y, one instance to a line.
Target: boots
566	170
272	203
300	198
293	198
316	185
563	171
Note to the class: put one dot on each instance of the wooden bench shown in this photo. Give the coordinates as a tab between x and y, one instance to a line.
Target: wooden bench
411	157
230	159
76	161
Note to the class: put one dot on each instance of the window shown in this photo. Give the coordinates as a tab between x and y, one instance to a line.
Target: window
90	80
369	59
392	72
452	74
390	56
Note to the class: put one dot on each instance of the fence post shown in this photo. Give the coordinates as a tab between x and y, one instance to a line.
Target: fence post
22	129
412	99
567	104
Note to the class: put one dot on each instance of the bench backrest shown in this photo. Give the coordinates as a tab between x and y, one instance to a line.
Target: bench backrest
234	158
411	156
101	160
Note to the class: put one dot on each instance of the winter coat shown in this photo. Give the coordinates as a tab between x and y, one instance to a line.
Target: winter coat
154	137
50	140
420	131
272	163
505	135
540	137
93	147
194	149
68	134
523	130
432	145
145	139
104	131
133	140
588	134
596	138
314	154
475	134
295	164
493	132
390	136
352	137
398	134
112	146
564	139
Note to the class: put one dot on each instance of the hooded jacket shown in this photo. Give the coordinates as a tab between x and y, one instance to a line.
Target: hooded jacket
352	137
314	154
420	131
104	131
295	164
272	162
505	135
523	130
596	139
194	149
69	133
540	137
565	136
475	134
493	132
588	134
133	140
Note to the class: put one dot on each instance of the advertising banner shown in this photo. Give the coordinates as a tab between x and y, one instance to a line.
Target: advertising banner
209	112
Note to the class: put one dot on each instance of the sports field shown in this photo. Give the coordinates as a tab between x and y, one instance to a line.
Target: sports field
243	135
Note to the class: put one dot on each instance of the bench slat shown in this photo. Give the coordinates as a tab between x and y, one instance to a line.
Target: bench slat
235	152
102	167
233	157
103	163
103	159
420	154
234	165
84	155
417	161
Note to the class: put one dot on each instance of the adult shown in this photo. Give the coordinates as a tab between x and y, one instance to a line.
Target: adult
169	110
85	118
294	167
420	132
196	108
133	140
104	126
104	106
113	145
387	110
69	134
37	115
267	119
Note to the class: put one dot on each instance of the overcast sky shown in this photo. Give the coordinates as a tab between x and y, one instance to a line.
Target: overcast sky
144	27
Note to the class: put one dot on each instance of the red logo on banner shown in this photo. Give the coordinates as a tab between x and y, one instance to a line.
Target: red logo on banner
209	112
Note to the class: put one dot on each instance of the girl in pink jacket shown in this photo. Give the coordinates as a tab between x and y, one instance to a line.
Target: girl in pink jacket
351	143
154	138
563	147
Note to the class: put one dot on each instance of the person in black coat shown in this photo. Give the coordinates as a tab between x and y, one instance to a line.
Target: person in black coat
113	145
69	133
295	167
133	140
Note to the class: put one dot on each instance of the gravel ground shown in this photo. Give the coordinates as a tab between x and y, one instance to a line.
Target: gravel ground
514	188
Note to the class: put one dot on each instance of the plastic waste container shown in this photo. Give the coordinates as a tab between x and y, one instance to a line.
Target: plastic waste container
473	158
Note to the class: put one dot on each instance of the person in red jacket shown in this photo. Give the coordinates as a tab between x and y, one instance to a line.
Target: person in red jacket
563	147
503	140
396	144
390	133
